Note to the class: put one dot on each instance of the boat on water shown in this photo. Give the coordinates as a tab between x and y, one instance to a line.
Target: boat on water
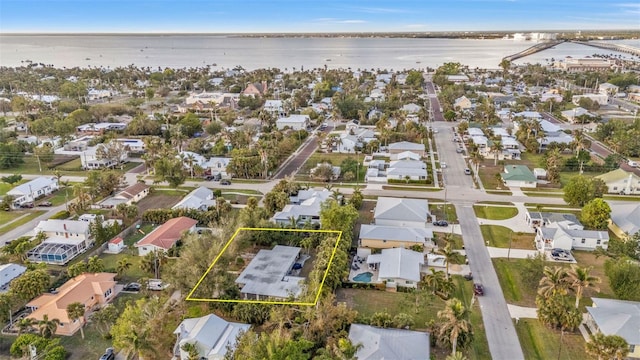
327	59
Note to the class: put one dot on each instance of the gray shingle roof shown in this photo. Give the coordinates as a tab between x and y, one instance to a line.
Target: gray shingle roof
401	209
389	344
617	317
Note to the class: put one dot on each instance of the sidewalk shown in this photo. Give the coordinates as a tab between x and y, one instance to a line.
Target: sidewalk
516	223
495	252
520	312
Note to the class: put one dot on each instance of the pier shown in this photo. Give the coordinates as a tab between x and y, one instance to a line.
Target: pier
532	50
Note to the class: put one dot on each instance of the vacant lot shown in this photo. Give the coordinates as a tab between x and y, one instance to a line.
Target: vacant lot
158	200
540	342
500	236
495	212
444	212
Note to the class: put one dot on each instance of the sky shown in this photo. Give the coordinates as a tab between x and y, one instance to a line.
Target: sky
255	16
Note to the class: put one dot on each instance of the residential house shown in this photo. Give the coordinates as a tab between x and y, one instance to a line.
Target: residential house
397	266
274	107
135	146
518	176
411	108
601	99
405	155
385	237
307	210
255	89
65	240
335	171
99	128
528	115
555	97
457	79
616	317
574	115
129	196
559	137
378	343
294	122
90	159
217	165
401	212
625	218
540	173
268	275
538	218
608	89
462	103
33	189
398	147
567	235
97	94
620	181
165	236
407	169
93	290
199	199
8	272
211	335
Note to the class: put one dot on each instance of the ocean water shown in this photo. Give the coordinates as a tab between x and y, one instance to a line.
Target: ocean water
180	51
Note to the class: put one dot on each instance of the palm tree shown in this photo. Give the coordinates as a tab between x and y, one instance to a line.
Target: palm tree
191	350
554	281
123	265
454	323
457	356
580	279
606	347
25	324
449	255
76	311
434	280
496	148
48	327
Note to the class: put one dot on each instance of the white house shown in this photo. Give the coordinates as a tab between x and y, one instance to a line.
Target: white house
33	189
377	343
407	169
625	218
294	122
573	114
608	89
384	237
462	103
199	199
115	245
397	266
91	158
399	147
211	335
8	272
274	106
401	212
130	195
307	210
616	317
65	240
411	108
132	145
566	235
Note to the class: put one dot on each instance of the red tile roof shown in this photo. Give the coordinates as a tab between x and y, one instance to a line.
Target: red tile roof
117	240
168	233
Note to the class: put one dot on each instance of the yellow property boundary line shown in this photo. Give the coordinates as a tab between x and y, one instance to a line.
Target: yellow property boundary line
324	277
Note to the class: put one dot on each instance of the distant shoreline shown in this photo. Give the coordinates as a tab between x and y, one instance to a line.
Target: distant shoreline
585	34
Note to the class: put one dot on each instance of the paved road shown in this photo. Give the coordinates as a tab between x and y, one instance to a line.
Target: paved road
501	333
25	228
435	103
292	165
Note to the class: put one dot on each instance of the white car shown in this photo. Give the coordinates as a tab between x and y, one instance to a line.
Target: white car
443	164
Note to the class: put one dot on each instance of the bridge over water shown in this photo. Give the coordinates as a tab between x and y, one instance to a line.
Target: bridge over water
601	45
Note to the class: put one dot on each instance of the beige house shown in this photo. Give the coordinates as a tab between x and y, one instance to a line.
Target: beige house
129	196
400	147
621	182
386	237
91	290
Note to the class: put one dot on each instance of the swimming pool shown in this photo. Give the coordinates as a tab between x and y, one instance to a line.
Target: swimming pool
364	277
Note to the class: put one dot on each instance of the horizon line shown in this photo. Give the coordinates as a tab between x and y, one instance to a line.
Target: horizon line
303	32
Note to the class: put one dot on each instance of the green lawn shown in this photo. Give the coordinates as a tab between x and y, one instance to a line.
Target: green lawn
424	187
4	188
539	194
540	342
499	192
58	198
21	221
495	212
511	283
442	212
565	176
133	274
455	239
500	236
6	216
137	235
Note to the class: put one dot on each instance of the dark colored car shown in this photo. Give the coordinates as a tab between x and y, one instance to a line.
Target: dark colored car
208	177
27	205
132	287
478	289
225	182
297	266
108	354
440	223
45	204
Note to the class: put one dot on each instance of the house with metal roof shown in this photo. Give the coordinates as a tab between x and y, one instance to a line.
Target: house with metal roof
65	240
401	212
518	176
268	275
620	181
398	147
616	317
378	343
199	199
305	207
211	335
567	236
625	218
33	189
397	266
8	272
385	237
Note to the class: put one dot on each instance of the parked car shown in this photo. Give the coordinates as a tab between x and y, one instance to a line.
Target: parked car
467	171
132	287
561	254
478	289
109	354
459	150
45	204
440	223
28	205
443	164
208	178
225	182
